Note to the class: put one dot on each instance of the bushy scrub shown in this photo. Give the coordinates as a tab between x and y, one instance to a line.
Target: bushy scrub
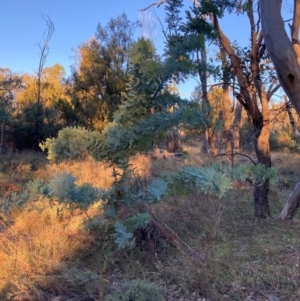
280	140
71	143
139	289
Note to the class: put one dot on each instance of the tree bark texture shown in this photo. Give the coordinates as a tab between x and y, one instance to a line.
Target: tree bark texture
281	49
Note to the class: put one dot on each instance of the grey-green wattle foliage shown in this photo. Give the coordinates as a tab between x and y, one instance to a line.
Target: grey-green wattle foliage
119	143
256	174
208	180
123	235
71	143
62	187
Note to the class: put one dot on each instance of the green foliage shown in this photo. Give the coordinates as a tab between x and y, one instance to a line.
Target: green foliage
259	174
123	235
123	239
71	143
102	73
137	221
62	187
139	290
15	200
256	174
24	125
207	179
282	140
156	190
36	188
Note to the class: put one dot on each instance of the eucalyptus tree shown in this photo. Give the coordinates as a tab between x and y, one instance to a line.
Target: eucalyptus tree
285	54
101	74
284	50
44	51
252	93
28	112
9	85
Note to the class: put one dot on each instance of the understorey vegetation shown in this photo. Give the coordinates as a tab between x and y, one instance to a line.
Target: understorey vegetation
114	187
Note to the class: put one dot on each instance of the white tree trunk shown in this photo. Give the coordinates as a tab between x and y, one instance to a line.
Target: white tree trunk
281	50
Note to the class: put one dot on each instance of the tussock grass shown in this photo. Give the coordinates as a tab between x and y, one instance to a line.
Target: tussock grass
36	243
197	247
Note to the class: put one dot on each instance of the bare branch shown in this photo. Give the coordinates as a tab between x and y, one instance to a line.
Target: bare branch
158	4
271	91
236	153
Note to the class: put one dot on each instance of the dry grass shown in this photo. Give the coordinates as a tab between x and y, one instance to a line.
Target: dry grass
36	243
198	247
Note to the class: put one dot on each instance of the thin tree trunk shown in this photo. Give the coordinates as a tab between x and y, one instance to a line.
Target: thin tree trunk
227	122
213	140
205	143
236	127
262	149
291	118
2	135
260	118
226	105
219	135
291	205
205	103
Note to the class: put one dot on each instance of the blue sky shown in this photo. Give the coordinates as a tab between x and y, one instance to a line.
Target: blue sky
75	21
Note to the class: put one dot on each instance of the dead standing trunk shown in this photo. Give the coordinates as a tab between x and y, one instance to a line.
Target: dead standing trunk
44	51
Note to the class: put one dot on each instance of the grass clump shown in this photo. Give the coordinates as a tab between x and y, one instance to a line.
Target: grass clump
36	246
138	289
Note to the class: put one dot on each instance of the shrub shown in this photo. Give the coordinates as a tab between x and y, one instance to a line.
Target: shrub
71	143
281	140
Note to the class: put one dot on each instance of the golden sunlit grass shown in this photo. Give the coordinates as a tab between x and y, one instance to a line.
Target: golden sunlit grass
35	242
197	247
